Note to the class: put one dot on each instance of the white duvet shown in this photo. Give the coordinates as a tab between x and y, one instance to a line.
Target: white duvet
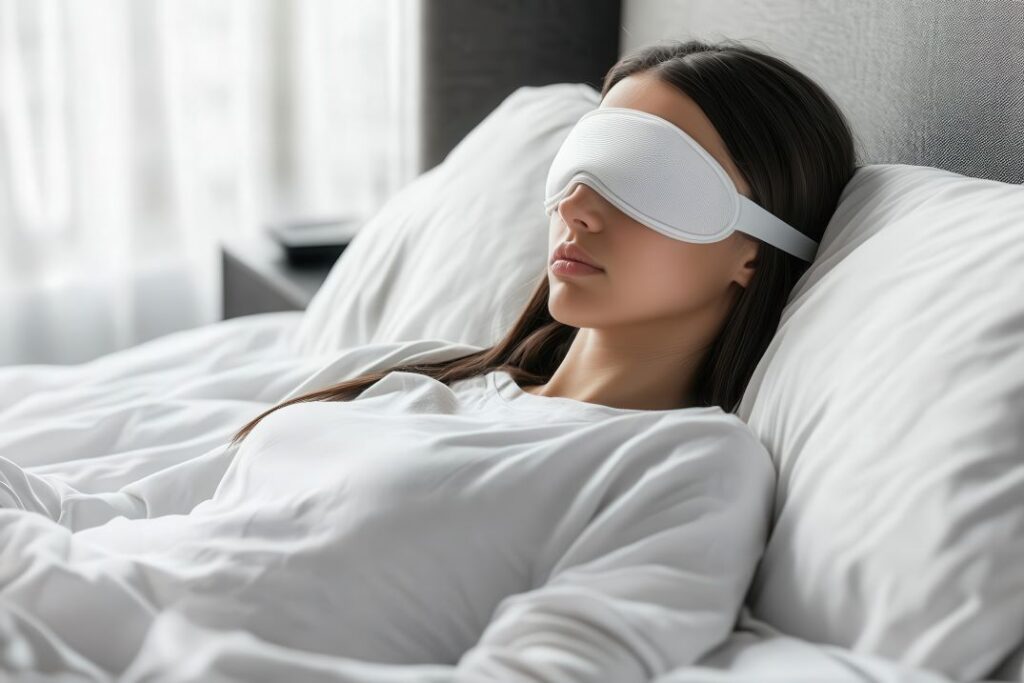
136	433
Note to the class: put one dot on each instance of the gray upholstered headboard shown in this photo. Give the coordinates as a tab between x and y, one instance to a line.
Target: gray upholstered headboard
925	83
474	53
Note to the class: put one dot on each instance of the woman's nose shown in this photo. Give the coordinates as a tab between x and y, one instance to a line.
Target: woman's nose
579	209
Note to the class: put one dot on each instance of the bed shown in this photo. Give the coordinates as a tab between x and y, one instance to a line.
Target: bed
891	399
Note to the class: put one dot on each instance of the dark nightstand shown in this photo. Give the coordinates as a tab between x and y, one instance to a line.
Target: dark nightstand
257	278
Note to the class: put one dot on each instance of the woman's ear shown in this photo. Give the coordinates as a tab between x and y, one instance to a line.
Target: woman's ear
747	261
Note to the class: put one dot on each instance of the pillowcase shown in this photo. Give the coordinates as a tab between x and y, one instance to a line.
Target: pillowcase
456	253
892	399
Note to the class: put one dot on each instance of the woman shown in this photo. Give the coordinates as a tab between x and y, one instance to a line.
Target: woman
575	503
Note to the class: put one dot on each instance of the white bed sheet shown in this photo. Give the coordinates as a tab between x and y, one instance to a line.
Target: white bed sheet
97	426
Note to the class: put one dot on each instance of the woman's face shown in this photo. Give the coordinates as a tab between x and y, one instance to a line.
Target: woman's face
647	276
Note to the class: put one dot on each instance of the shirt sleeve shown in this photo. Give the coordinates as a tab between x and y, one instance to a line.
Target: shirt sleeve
655	581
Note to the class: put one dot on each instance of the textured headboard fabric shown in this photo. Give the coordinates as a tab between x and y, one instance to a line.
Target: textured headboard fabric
924	83
475	53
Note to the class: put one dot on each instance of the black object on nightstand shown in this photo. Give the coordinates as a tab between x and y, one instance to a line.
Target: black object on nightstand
259	277
316	241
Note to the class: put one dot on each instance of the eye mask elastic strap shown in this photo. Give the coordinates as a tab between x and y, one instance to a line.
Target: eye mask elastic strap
766	226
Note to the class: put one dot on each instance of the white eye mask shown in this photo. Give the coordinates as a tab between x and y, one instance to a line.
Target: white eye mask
661	177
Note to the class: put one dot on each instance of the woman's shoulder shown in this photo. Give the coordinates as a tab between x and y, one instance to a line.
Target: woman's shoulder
722	436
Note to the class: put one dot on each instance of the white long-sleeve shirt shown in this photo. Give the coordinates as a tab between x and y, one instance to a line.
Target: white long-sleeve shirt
421	533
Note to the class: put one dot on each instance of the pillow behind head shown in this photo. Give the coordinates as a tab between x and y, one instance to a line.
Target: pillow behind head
456	253
892	398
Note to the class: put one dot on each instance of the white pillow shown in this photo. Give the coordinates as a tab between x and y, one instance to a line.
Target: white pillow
455	253
892	398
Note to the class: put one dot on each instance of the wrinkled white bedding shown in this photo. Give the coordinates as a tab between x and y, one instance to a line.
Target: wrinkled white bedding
80	434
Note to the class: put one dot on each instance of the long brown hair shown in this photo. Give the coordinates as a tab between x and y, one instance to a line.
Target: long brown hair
795	149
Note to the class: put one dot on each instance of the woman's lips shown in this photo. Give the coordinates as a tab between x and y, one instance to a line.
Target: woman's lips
572	268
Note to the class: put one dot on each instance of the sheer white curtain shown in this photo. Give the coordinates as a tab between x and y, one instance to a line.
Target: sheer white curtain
136	134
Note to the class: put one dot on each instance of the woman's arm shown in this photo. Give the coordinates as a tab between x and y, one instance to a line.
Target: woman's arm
655	581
